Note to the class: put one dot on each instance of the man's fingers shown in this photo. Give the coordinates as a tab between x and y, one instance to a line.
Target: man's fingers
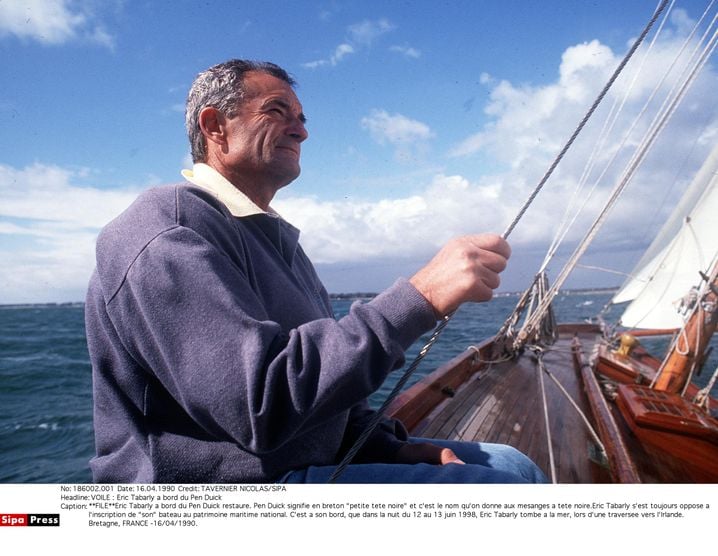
492	260
465	269
492	242
448	456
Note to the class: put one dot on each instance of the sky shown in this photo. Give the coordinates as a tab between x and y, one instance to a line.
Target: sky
426	120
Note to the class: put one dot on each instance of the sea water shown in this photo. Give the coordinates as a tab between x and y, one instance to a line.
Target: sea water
46	431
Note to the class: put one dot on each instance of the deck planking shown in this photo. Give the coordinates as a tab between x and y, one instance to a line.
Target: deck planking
503	404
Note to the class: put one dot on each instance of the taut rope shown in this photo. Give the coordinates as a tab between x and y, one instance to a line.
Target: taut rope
660	122
378	415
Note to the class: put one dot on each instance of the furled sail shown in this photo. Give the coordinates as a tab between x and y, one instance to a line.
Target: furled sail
686	245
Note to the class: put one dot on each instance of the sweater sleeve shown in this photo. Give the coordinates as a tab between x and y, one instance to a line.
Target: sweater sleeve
188	313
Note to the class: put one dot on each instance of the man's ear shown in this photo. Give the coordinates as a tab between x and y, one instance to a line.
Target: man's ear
212	125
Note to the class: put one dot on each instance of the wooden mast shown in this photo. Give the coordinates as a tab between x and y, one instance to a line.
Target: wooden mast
691	343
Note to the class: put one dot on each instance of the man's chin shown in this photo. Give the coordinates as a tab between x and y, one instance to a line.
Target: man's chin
287	175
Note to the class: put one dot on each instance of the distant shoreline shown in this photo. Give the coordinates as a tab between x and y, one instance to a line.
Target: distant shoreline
570	291
350	296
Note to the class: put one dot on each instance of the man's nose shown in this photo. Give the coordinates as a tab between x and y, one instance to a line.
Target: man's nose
298	130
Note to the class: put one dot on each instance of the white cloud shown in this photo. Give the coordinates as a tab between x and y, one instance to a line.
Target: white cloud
407	51
395	128
100	36
48	226
525	127
409	137
46	192
51	22
359	35
681	20
314	64
340	52
350	231
367	31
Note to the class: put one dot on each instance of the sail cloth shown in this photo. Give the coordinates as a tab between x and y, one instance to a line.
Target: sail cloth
686	245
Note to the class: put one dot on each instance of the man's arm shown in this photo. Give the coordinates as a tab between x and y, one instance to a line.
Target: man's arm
466	269
194	320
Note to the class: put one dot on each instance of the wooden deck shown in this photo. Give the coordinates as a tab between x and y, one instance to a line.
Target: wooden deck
503	403
472	400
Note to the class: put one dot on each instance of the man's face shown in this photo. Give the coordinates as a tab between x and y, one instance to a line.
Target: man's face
264	138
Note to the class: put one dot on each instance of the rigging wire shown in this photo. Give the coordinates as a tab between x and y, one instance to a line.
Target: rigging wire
608	126
638	157
585	119
662	116
378	415
610	271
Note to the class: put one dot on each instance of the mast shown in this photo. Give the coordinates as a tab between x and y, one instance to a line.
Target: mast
690	345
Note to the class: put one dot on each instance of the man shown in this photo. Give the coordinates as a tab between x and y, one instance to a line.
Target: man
216	357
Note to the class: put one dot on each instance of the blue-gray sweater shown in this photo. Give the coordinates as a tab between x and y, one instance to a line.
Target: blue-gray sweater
215	354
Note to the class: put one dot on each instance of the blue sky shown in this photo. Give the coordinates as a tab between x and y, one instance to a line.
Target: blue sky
426	120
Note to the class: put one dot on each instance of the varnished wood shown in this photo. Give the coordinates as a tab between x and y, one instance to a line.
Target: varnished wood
649	332
623	468
639	368
673	425
691	343
501	402
414	404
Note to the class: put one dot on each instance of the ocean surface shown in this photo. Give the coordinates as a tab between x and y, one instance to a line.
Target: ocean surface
46	430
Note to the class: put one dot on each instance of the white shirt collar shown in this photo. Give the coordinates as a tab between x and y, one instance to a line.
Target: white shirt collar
206	177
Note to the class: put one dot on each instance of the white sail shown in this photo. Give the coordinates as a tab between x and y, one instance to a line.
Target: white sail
686	245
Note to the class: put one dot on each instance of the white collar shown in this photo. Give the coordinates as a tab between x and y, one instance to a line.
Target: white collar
206	177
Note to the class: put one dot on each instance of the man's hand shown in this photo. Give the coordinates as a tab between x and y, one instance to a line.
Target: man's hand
465	269
426	453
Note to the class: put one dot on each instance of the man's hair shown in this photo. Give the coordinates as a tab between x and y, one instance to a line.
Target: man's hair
222	87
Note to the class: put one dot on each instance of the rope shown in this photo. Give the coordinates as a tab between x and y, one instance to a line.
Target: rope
507	329
583	416
477	357
683	335
585	119
547	332
703	397
539	352
608	126
376	418
638	157
379	414
665	112
697	358
552	461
